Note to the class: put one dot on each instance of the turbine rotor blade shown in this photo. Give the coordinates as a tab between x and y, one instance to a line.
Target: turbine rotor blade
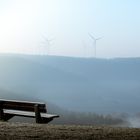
99	38
91	36
47	40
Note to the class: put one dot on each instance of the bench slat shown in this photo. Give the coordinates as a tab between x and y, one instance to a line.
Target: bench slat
21	101
45	115
23	105
20	113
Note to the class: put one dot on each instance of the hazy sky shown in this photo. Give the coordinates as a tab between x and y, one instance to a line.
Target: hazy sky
25	23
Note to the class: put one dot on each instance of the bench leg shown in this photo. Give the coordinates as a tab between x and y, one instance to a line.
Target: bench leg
37	114
8	116
46	120
1	114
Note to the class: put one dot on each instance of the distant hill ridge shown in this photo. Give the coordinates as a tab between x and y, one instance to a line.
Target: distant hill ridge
80	84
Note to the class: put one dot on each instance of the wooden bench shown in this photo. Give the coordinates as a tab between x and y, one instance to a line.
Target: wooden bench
37	110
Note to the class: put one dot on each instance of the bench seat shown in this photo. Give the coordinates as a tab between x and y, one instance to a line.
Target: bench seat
29	114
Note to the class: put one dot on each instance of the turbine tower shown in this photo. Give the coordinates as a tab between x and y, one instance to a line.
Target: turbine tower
95	42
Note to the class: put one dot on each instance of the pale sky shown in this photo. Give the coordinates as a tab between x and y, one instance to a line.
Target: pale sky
25	23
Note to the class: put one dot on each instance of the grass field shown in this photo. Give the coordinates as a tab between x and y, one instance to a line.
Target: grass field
17	131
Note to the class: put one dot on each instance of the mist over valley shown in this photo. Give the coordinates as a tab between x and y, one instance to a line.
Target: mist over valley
103	86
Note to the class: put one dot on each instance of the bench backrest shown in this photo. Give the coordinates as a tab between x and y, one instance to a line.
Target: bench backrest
22	105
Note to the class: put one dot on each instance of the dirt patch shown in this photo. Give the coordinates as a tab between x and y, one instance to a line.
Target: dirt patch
18	131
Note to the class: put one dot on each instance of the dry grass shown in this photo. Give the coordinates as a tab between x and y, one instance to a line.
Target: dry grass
17	131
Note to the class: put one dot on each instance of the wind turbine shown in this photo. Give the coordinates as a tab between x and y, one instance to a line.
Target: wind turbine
48	43
95	42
